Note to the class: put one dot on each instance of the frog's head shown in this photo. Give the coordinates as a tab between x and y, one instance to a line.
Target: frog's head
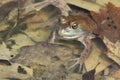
70	27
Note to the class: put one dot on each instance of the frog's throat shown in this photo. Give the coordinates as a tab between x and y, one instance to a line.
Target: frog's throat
70	36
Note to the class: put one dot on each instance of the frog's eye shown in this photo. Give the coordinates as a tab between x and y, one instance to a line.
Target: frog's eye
74	25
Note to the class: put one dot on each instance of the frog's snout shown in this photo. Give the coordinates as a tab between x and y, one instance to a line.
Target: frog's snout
60	31
64	31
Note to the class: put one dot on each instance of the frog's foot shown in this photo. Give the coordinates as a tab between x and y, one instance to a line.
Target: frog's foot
86	41
77	62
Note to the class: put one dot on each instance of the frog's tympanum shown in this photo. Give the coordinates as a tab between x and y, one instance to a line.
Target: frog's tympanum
80	28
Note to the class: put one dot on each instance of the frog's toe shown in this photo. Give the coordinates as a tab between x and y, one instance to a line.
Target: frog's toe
76	60
76	64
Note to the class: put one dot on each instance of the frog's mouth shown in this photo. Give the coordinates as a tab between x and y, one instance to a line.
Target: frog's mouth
68	37
70	33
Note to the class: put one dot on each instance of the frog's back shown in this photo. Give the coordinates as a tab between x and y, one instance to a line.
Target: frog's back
86	23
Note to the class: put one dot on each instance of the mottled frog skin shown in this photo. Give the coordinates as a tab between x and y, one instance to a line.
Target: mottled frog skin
80	28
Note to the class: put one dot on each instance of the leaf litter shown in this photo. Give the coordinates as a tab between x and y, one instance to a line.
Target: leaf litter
38	60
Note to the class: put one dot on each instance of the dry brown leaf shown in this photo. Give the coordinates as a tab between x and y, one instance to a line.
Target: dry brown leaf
3	26
12	72
43	19
48	60
113	50
42	51
61	4
103	2
97	56
5	52
117	74
6	8
108	21
85	5
2	2
20	41
74	76
38	35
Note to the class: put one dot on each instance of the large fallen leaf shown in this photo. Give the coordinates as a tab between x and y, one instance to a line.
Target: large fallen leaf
5	53
98	56
103	2
3	26
85	5
20	41
39	35
117	74
114	50
48	60
12	72
108	21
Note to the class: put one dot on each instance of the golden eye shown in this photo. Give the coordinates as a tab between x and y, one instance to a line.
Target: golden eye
74	25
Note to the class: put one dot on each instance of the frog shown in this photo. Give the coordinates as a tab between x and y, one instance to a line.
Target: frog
79	27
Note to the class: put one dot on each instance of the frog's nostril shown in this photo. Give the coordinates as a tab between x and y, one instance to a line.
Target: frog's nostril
67	30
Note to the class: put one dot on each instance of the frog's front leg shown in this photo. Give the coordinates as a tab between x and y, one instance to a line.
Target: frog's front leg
52	37
86	41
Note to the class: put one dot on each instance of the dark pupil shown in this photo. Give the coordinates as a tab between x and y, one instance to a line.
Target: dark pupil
74	25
